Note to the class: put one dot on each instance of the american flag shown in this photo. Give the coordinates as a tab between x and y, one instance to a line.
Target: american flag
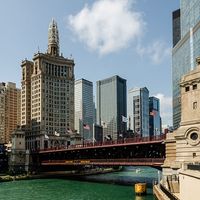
86	126
153	113
104	124
69	131
56	134
124	119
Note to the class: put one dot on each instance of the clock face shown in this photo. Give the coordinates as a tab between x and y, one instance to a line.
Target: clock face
193	137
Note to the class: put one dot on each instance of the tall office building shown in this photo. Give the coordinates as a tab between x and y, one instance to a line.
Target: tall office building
176	26
84	113
155	127
138	111
111	106
186	47
10	104
47	95
94	111
2	112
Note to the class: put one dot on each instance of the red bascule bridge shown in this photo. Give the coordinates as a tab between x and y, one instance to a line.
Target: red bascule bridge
146	151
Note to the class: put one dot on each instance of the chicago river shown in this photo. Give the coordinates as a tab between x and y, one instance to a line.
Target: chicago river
113	186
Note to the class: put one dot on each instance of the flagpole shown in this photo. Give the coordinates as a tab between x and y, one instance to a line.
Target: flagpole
121	126
93	134
83	132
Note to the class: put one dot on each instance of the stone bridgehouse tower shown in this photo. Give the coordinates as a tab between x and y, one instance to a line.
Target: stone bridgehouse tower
47	104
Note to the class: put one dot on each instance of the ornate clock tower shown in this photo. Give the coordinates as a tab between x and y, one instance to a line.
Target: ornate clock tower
183	145
53	39
188	134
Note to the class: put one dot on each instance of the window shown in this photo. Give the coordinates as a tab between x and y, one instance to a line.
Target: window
23	74
187	88
194	105
194	87
194	155
36	70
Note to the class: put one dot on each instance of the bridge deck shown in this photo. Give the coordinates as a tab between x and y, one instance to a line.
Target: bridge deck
125	142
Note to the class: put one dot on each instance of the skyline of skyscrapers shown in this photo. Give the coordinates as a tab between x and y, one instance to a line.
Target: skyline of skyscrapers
111	106
84	109
48	109
84	89
186	48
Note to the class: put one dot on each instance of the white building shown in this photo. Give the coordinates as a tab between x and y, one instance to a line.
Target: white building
48	96
84	108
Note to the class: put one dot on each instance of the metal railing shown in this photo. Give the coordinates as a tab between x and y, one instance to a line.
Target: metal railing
124	141
195	166
170	195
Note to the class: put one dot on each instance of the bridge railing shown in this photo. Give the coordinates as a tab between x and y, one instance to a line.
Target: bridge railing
111	142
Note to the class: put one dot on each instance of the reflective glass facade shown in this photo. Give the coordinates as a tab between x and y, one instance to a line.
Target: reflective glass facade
84	108
111	105
190	15
154	116
185	51
138	110
176	27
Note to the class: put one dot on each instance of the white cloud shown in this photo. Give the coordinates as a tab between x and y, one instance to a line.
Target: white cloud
108	25
165	108
157	52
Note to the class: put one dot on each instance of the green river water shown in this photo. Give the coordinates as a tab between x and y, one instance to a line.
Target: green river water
63	189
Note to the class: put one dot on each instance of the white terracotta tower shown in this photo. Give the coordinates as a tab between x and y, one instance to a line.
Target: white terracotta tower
53	39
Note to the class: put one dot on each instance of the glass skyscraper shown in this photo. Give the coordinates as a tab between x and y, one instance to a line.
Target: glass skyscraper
186	47
111	106
154	116
138	111
84	108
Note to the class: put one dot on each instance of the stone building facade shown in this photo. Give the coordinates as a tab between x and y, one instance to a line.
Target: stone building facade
47	96
10	110
181	166
17	160
183	145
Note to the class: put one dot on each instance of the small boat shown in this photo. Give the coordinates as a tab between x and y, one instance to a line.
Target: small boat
138	170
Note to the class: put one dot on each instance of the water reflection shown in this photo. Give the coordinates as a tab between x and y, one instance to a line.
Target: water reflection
129	176
138	198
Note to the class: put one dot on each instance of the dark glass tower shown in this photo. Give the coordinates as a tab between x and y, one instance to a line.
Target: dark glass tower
111	106
154	116
176	26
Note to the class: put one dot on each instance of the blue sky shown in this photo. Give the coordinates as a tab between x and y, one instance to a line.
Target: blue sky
130	38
